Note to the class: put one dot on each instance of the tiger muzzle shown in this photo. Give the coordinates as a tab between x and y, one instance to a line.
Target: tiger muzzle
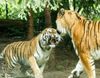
55	40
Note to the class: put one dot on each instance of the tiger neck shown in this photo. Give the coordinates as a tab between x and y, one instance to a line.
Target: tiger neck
74	26
77	31
44	48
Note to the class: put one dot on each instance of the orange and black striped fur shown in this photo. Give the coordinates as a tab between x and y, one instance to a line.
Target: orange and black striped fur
85	36
34	53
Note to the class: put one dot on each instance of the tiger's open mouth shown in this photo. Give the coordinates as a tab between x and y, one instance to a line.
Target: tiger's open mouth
54	41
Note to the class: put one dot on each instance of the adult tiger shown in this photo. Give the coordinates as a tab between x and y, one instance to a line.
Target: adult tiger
34	53
85	36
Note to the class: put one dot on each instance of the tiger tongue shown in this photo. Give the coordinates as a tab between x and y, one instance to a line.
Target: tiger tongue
52	45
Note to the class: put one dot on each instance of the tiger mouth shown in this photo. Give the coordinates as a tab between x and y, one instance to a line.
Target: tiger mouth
53	42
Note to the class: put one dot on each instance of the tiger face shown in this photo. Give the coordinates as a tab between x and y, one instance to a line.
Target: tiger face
50	38
66	19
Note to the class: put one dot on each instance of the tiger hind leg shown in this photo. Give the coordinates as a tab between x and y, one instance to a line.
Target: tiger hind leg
77	71
5	70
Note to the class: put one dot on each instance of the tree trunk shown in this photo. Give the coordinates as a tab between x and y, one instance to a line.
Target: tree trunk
48	22
6	7
31	24
71	5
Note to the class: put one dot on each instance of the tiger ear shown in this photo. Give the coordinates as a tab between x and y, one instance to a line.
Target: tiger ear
61	11
79	17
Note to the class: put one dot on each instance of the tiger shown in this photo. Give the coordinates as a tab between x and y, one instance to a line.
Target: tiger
33	53
85	37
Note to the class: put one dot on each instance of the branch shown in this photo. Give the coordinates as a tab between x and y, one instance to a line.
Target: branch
81	10
71	6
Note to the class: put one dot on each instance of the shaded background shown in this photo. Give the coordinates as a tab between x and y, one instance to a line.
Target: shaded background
24	19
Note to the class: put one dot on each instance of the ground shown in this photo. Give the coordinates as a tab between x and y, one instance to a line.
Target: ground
62	61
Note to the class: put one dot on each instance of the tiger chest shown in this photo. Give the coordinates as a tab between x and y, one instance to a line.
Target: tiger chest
41	56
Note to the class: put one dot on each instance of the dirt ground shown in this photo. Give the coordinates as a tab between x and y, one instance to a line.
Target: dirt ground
61	62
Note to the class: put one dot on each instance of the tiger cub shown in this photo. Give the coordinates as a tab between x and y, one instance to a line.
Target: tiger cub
34	53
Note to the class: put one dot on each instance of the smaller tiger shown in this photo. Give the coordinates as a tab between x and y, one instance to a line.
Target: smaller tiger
34	53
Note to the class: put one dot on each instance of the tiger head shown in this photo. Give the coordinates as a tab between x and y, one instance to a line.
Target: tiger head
50	38
66	19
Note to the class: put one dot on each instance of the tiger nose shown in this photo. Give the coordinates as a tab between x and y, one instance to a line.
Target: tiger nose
59	38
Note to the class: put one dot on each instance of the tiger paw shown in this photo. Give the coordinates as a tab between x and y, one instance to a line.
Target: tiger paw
39	75
74	74
29	74
7	76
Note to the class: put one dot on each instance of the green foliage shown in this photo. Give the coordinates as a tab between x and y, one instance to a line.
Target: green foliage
37	6
12	11
2	10
19	9
91	8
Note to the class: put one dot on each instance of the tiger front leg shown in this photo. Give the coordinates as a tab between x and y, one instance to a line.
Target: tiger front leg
77	71
34	66
42	67
88	63
24	71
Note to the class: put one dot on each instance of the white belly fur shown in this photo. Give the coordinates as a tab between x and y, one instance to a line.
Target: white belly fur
95	55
